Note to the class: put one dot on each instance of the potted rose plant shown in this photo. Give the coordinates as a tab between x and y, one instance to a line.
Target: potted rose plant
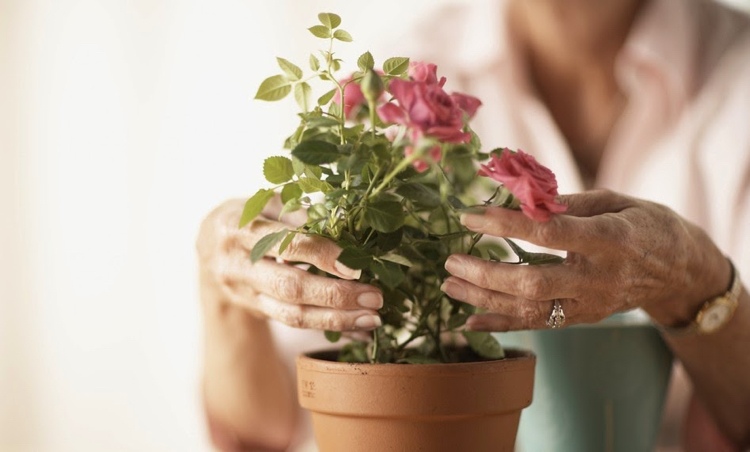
384	162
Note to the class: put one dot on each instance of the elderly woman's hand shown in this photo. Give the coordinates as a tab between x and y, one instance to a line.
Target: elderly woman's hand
273	289
622	253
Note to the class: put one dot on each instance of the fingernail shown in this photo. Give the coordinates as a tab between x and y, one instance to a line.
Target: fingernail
454	290
455	267
473	221
367	322
372	300
346	271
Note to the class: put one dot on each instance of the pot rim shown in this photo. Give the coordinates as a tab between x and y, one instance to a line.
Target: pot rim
518	359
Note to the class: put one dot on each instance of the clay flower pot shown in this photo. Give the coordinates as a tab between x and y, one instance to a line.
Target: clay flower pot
473	406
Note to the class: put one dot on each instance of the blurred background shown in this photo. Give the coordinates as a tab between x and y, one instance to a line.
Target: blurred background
122	122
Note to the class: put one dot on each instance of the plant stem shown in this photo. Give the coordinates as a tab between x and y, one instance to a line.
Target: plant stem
402	165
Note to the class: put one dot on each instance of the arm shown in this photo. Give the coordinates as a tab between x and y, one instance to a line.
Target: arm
623	253
249	393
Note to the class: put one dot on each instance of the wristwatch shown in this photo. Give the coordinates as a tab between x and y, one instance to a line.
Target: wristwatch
716	312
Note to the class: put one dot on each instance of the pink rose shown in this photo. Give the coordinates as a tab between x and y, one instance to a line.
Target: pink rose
428	110
533	184
425	73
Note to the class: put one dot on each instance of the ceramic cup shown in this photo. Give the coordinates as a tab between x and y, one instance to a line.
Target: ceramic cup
599	388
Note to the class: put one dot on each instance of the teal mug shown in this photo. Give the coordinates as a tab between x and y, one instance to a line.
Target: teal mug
599	388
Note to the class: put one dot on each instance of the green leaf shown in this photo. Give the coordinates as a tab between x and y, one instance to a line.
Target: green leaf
302	93
396	65
526	257
320	31
342	35
388	273
420	194
384	216
285	243
292	71
292	205
290	191
354	352
278	170
266	243
325	98
366	62
397	259
355	258
275	87
314	63
330	20
254	206
484	344
316	152
313	185
332	336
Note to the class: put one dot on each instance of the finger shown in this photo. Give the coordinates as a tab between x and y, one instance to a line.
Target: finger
502	322
316	317
296	286
315	250
533	282
492	301
595	202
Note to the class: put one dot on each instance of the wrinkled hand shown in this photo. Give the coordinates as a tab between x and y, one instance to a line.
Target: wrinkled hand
273	289
622	253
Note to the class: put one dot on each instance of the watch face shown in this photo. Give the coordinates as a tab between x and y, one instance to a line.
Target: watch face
714	317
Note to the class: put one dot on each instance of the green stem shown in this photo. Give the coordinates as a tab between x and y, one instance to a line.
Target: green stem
402	165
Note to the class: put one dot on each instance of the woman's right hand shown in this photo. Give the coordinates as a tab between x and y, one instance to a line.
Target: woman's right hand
270	288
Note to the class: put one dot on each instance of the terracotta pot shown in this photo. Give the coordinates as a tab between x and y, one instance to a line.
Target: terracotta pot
471	406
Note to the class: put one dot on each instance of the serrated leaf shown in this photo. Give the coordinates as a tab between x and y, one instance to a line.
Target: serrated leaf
388	273
420	194
330	20
314	63
342	35
365	62
312	185
278	170
292	71
286	242
290	191
316	152
397	259
254	206
291	205
265	244
355	258
302	93
320	31
484	344
332	336
325	98
396	65
273	88
384	216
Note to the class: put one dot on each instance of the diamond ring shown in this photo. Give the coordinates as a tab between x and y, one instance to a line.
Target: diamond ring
557	316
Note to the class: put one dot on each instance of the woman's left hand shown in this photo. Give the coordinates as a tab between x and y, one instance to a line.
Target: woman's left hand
622	253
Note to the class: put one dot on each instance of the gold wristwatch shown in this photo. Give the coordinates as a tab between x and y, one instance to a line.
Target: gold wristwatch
716	312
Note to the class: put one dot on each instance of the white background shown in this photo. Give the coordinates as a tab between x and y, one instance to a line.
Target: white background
121	124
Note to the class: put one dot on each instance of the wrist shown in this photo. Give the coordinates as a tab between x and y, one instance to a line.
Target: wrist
708	313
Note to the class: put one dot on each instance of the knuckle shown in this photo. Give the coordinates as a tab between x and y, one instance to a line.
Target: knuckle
534	286
292	316
333	295
286	288
335	321
544	234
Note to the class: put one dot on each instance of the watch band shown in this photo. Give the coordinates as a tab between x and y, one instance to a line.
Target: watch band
715	312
